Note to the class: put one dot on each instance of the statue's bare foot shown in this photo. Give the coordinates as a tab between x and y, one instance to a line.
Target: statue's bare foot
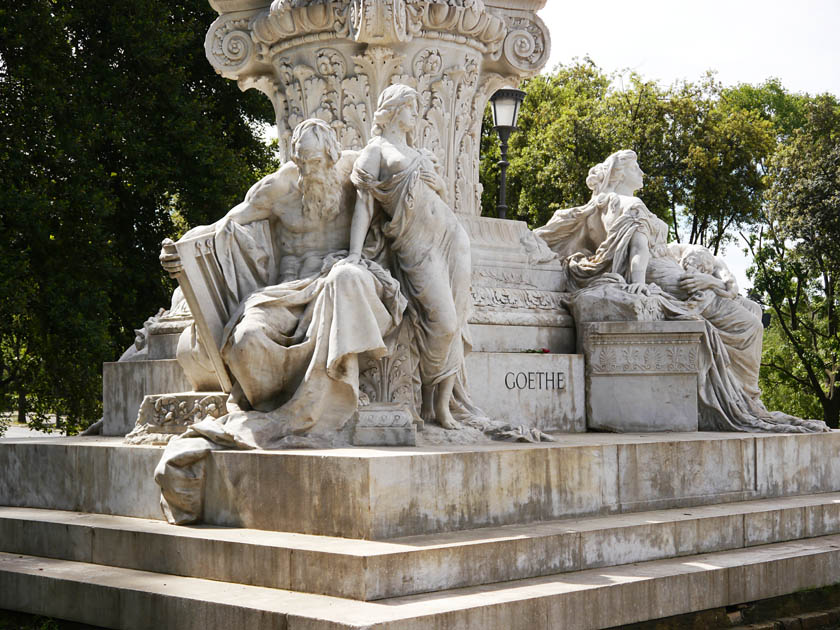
427	413
444	417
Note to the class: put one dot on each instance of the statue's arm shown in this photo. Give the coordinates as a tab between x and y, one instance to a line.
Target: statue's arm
368	163
729	285
265	197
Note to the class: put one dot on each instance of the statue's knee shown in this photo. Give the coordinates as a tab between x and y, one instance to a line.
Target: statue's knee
345	273
447	325
245	339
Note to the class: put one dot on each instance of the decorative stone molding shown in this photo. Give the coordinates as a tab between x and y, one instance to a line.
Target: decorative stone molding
385	424
642	347
390	379
527	44
633	355
518	299
332	58
163	416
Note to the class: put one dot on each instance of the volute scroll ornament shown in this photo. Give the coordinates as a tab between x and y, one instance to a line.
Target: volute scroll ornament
527	44
229	46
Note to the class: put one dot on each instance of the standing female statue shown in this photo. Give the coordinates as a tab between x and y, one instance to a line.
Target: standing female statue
431	250
615	237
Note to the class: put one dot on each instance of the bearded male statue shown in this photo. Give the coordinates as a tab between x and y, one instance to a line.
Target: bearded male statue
300	317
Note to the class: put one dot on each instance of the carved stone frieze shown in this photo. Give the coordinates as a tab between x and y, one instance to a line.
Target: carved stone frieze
163	416
644	357
642	347
517	299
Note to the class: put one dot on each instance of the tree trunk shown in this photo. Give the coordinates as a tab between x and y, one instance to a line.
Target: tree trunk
831	411
21	408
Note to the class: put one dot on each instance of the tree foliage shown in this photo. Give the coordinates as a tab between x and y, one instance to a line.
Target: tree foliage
797	259
111	120
699	150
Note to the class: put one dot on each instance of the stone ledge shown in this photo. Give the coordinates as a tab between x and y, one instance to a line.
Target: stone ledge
376	493
368	570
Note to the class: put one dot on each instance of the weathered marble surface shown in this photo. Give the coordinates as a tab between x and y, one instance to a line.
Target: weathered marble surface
642	376
125	383
377	493
372	570
585	600
543	391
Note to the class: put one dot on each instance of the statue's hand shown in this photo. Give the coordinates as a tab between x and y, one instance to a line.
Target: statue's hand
693	282
352	259
639	288
169	258
221	225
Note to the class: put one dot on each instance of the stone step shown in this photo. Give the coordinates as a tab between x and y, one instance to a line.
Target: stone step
595	598
376	494
372	570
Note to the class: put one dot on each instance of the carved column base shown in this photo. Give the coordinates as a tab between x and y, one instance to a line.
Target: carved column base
385	424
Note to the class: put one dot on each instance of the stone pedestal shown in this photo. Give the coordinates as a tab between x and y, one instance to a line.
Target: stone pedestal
641	376
518	295
126	383
541	391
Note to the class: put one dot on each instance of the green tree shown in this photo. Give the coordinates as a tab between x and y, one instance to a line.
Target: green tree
700	152
111	120
797	259
718	149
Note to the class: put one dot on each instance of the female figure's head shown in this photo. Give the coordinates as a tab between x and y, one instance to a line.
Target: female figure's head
619	173
397	107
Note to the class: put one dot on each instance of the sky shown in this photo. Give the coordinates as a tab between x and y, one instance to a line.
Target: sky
745	41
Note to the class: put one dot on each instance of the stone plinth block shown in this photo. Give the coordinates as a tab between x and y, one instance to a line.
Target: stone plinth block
126	383
385	424
542	391
642	376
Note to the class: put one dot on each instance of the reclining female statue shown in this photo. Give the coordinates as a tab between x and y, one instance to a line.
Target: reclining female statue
616	238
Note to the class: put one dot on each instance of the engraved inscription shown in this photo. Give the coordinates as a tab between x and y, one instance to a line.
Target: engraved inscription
535	380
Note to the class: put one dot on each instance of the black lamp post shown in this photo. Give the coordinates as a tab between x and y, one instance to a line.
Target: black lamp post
505	113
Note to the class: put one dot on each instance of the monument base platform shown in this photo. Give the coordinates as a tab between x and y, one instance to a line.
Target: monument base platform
594	531
381	493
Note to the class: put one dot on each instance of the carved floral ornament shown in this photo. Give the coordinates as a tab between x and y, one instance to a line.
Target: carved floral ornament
236	41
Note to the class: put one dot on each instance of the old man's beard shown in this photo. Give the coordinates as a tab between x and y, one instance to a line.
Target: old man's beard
321	194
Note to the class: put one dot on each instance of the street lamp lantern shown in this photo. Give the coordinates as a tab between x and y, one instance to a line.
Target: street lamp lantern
506	104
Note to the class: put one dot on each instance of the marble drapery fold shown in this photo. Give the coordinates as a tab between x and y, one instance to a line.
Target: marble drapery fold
433	265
